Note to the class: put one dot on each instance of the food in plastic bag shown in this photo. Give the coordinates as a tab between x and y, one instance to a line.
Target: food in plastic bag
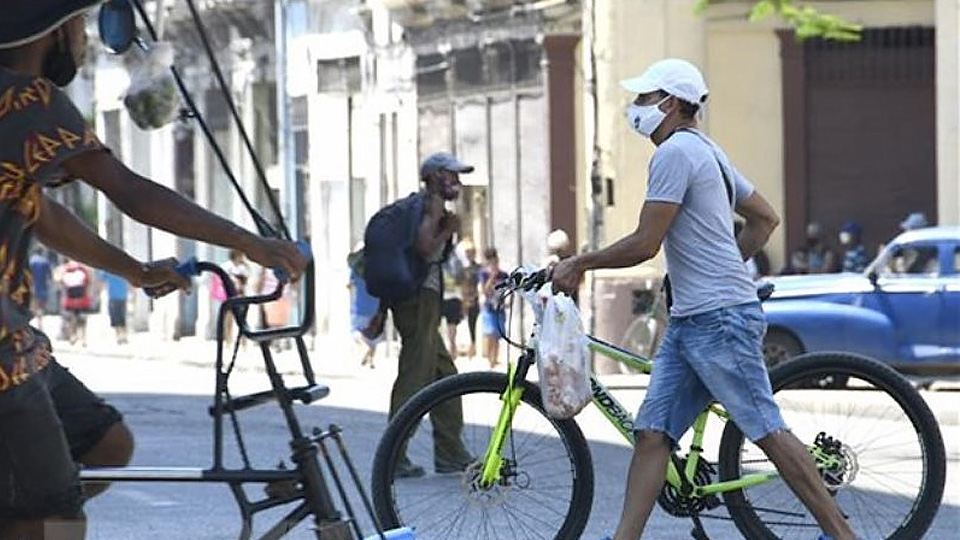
152	98
563	358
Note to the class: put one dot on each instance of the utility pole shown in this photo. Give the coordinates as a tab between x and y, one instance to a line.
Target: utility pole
595	183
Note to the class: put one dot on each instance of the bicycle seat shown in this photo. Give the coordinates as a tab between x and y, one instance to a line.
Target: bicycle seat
765	290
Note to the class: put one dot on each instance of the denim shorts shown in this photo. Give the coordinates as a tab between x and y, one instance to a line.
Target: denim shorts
492	321
46	425
712	356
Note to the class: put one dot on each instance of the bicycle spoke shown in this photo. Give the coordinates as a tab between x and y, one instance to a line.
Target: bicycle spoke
871	428
530	501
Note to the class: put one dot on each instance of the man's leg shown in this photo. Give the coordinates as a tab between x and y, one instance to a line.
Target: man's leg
114	449
447	419
40	497
452	338
415	367
675	396
648	469
52	528
798	470
95	430
725	348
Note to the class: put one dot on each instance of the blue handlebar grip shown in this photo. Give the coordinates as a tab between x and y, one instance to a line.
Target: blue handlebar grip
304	248
187	268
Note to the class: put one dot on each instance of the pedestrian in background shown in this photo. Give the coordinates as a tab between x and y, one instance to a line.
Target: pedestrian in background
854	253
42	272
453	276
76	285
558	247
366	318
239	271
118	292
423	356
471	292
820	258
492	319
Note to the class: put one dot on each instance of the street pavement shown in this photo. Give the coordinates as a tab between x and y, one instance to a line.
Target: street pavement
163	388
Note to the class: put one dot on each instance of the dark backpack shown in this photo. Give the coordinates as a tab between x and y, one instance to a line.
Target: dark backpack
392	267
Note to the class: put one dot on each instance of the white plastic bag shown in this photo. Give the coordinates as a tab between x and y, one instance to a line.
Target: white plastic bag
152	98
563	358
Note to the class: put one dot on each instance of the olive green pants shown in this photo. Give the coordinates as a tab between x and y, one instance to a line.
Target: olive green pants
424	359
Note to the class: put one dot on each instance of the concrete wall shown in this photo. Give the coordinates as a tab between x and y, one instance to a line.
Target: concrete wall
741	62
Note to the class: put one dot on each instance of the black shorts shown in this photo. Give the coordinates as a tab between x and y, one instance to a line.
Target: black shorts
118	313
46	424
453	310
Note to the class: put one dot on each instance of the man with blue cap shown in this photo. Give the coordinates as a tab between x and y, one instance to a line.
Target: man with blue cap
50	421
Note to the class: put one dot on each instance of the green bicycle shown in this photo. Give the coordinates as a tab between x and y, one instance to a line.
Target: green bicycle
876	443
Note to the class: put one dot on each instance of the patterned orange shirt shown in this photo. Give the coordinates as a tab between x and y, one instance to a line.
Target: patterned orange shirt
40	128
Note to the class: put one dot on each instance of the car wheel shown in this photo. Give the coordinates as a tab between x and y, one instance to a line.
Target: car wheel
778	347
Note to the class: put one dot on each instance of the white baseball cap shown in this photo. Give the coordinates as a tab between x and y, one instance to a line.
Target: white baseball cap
674	76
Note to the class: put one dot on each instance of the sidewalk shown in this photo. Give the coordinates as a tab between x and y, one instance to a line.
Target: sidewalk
338	358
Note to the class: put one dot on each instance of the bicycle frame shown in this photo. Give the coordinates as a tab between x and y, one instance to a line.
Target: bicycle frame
622	420
305	482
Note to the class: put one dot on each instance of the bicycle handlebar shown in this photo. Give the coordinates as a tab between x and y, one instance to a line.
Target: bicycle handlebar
523	279
192	268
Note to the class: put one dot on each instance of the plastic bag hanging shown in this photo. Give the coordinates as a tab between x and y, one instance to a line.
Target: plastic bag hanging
563	359
152	98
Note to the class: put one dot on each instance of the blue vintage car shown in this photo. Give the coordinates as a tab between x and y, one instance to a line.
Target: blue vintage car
904	309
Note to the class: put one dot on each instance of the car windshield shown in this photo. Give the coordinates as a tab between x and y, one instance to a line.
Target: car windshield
904	260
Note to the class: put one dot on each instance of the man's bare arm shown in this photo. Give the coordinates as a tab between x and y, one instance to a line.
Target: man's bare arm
157	206
640	245
61	230
761	220
631	250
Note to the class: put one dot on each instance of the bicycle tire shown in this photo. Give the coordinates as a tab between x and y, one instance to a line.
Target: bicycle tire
791	376
408	419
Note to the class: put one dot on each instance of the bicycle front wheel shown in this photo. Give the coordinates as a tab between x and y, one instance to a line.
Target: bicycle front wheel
546	480
888	459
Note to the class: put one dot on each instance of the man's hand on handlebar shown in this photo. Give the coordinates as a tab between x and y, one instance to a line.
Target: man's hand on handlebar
567	275
278	254
160	277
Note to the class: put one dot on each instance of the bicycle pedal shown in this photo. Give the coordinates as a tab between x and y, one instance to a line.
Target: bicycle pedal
281	489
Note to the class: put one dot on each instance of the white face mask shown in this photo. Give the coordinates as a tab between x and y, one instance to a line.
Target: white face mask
645	119
845	238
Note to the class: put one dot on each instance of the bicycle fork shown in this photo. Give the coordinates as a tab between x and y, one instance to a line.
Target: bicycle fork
491	467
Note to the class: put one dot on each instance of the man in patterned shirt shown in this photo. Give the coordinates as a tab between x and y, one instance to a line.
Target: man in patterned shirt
49	421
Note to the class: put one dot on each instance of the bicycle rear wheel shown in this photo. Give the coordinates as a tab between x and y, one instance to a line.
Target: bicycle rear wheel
889	477
546	486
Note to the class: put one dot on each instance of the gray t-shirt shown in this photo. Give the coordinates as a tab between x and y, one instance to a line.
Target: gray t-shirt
706	269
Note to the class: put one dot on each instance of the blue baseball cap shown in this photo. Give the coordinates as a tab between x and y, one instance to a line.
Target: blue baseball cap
443	161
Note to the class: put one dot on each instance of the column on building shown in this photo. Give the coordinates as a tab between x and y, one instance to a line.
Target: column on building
948	111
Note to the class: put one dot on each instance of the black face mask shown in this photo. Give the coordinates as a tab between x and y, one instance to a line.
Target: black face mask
59	66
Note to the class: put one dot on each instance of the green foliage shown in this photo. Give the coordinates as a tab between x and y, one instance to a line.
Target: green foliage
807	21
